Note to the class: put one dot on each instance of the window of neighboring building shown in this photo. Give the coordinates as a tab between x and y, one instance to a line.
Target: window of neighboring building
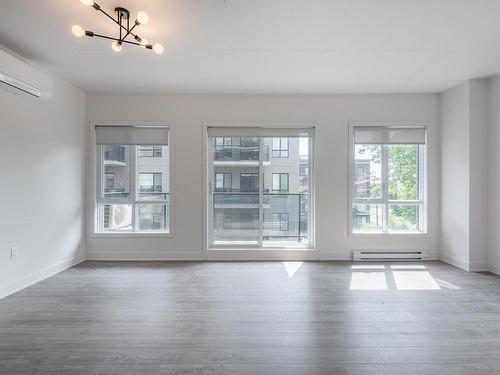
150	151
223	181
280	182
280	147
249	182
388	186
150	182
110	181
132	179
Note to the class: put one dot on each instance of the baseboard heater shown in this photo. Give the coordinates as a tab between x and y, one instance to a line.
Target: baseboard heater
389	255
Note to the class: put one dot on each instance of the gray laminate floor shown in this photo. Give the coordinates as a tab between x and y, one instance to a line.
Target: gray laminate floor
254	318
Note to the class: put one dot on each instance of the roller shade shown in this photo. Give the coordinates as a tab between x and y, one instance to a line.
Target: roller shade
131	135
389	135
222	131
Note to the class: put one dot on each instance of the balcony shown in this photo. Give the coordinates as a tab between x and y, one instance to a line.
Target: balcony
285	217
240	155
114	155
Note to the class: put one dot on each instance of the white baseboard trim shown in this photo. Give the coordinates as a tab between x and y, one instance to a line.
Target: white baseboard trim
147	256
494	269
455	261
37	276
478	267
465	264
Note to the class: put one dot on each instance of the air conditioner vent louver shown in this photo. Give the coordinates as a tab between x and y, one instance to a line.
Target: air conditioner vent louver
389	255
19	77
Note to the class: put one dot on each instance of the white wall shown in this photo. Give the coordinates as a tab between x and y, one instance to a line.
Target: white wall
455	116
42	190
478	218
494	174
464	176
332	115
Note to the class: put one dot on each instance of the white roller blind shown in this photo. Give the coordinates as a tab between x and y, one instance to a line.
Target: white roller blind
389	135
222	131
131	135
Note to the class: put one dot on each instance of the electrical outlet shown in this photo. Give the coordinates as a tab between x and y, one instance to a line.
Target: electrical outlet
13	252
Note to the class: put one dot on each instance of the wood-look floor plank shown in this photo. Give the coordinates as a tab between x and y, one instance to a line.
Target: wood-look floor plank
252	318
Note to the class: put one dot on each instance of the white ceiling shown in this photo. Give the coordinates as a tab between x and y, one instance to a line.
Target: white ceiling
265	46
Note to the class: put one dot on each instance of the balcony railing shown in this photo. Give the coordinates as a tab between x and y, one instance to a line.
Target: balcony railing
240	153
146	196
231	212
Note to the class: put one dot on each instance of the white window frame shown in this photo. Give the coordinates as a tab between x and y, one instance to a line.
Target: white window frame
96	183
422	181
254	252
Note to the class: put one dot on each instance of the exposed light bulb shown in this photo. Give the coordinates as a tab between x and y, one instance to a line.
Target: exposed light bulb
144	42
116	46
142	18
158	48
87	2
77	31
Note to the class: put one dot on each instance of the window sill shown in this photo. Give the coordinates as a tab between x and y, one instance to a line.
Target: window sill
131	235
256	249
389	234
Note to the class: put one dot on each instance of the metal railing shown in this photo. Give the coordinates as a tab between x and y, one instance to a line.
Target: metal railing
228	208
240	153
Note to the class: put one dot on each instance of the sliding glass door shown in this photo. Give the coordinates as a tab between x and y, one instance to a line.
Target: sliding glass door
259	187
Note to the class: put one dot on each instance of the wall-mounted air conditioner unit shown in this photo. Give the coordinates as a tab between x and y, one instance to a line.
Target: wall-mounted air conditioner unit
390	255
19	77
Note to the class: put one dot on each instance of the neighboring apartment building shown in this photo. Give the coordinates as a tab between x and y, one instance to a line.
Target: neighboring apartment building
152	184
285	188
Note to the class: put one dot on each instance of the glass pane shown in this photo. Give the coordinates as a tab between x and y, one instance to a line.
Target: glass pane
368	171
153	174
286	195
153	217
219	181
284	143
115	217
235	210
115	169
404	217
284	182
276	144
367	217
403	172
276	182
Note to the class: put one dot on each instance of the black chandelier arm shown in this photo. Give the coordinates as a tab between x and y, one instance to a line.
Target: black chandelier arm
129	32
115	21
92	34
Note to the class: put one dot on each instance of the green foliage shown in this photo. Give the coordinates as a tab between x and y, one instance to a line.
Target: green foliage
403	185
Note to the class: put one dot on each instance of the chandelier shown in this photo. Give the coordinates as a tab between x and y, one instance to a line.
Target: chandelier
126	29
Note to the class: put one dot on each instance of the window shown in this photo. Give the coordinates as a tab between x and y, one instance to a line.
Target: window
150	182
388	180
280	147
110	181
280	182
132	179
249	182
223	181
150	151
268	206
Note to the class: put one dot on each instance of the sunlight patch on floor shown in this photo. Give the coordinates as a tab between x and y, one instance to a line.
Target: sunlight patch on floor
414	280
368	281
368	267
292	268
